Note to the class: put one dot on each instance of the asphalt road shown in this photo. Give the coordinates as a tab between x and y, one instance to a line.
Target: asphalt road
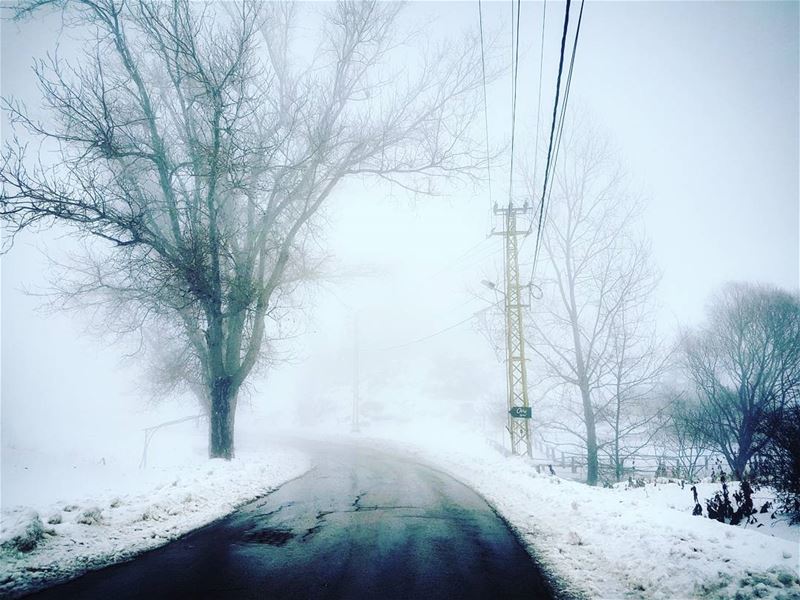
360	525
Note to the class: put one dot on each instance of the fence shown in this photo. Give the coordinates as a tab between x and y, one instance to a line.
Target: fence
572	464
149	432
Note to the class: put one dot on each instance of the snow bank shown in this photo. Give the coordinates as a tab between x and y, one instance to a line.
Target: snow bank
93	525
667	492
617	543
23	533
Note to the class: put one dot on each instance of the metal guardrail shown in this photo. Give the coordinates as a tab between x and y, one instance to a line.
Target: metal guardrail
149	432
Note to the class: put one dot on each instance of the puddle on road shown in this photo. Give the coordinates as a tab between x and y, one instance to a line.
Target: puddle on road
269	536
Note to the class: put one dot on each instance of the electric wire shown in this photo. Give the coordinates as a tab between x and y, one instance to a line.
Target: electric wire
562	116
485	107
539	99
567	88
515	68
552	137
460	258
538	115
545	201
553	125
439	332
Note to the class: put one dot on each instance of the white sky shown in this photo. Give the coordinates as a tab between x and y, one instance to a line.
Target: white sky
701	99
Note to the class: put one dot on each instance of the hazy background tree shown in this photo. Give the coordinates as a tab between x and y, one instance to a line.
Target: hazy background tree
631	415
597	278
745	366
679	436
194	144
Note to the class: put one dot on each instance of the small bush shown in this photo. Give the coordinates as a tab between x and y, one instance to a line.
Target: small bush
780	464
635	483
91	516
720	507
154	512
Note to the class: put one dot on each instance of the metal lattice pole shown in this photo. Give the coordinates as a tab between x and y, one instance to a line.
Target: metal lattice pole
519	411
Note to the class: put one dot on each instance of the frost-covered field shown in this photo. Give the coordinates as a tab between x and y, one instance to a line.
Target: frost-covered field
82	515
618	543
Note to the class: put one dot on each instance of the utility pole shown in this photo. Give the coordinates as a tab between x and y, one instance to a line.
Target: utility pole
519	410
355	373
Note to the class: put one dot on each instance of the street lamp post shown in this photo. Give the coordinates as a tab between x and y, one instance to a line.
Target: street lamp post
354	419
354	425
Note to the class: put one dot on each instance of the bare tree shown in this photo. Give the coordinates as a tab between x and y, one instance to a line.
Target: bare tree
170	365
596	278
679	436
745	366
197	141
636	364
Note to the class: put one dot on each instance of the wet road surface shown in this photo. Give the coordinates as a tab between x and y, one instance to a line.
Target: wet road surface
359	525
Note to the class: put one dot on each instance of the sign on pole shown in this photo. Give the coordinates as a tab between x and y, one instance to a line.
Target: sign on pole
520	412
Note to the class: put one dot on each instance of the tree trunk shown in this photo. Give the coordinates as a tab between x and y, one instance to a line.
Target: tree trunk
591	438
739	464
617	461
737	459
591	455
221	419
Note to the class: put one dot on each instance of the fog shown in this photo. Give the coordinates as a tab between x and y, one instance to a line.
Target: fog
698	99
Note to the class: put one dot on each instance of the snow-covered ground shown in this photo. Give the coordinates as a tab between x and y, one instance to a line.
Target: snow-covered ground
600	543
615	543
85	514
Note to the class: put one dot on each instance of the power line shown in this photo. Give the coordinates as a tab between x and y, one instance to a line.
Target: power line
515	67
439	332
485	105
538	112
545	202
566	95
464	255
539	99
553	125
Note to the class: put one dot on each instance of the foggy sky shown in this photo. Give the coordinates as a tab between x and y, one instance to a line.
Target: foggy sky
701	101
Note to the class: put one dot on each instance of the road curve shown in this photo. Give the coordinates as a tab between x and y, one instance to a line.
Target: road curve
360	525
